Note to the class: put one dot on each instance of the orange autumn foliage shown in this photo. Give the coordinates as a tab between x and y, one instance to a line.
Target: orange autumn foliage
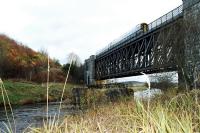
21	62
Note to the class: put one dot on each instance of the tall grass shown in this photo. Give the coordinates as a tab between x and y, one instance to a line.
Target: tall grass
179	114
149	87
64	87
48	70
9	127
50	124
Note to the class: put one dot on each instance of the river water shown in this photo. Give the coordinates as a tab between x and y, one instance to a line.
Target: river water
34	115
147	94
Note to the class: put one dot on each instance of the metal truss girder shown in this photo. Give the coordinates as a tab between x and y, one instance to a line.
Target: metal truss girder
153	52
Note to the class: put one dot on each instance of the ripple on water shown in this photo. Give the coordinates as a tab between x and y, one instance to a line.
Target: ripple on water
34	115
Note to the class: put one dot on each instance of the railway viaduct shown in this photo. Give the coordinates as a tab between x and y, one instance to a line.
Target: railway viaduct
172	43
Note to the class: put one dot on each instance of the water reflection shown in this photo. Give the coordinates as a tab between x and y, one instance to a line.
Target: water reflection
147	94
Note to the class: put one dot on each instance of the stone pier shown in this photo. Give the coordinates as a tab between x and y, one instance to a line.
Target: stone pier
89	72
191	29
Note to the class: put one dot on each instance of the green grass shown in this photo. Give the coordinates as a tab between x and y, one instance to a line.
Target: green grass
26	92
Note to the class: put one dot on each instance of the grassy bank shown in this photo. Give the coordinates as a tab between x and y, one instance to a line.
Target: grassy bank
167	114
27	92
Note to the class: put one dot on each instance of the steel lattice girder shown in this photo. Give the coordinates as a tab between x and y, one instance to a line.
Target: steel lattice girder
151	53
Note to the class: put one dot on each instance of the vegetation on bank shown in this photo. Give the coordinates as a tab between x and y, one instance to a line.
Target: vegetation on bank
18	61
21	93
167	114
21	62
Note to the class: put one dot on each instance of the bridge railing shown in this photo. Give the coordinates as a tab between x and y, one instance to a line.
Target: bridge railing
166	18
170	16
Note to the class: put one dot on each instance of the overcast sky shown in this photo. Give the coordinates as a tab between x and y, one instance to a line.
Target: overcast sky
79	26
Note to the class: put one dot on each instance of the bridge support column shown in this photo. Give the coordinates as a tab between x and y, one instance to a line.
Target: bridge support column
89	72
191	26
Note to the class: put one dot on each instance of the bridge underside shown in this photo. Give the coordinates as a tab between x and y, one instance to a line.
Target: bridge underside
155	51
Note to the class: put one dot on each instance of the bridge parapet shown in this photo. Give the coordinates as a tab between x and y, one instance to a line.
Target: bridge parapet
174	14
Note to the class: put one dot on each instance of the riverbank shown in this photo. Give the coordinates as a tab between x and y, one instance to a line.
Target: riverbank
166	113
21	93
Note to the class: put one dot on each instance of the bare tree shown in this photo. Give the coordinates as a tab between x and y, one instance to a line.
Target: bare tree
74	58
76	71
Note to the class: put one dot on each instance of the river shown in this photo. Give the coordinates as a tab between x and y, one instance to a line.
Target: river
34	115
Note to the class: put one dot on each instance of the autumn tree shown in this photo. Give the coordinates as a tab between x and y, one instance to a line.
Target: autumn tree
20	62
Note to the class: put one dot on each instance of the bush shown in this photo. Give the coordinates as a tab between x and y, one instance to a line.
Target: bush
163	81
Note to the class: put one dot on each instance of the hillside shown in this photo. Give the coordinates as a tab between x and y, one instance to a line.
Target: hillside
18	61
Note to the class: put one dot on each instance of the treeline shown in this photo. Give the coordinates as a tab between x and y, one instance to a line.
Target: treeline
19	62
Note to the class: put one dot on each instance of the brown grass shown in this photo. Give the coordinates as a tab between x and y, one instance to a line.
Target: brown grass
177	114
